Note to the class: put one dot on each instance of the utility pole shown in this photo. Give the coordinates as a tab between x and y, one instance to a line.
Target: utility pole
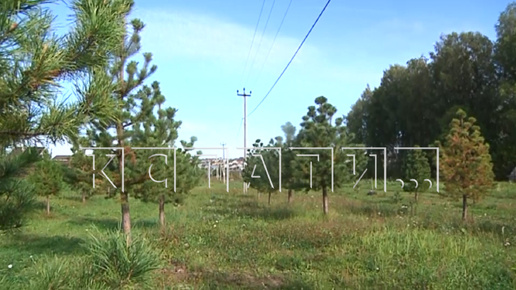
223	162
245	125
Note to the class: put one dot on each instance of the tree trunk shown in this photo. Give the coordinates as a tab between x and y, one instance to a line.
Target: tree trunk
83	197
464	207
126	217
415	196
270	198
162	210
325	200
290	196
48	204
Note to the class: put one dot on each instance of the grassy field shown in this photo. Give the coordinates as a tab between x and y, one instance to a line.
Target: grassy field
221	240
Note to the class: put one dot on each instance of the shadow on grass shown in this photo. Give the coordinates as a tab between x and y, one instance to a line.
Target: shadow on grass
248	208
110	223
100	223
37	245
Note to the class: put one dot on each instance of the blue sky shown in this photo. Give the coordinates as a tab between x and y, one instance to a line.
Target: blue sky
201	48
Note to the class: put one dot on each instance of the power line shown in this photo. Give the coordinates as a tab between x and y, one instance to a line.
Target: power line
261	38
274	40
252	42
277	80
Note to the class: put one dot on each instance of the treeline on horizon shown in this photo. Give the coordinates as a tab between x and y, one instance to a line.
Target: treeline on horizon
415	102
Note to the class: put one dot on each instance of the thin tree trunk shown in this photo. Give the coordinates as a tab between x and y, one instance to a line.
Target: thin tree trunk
270	198
464	207
290	196
325	200
48	204
124	196
162	210
415	196
126	217
83	197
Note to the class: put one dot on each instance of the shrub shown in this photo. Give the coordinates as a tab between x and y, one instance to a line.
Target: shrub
118	264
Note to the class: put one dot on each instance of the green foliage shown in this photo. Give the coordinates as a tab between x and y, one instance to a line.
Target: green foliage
263	162
466	162
503	149
34	59
319	129
16	194
17	200
136	123
47	177
110	263
397	198
416	167
59	273
79	174
117	264
234	241
415	102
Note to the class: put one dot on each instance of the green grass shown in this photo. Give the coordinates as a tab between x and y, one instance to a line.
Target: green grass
221	240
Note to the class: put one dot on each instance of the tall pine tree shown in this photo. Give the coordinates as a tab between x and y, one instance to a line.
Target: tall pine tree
134	104
319	129
136	124
34	59
161	131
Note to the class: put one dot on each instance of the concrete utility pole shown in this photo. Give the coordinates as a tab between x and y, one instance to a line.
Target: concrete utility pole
245	124
223	162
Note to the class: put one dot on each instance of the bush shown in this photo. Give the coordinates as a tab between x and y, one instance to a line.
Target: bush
117	264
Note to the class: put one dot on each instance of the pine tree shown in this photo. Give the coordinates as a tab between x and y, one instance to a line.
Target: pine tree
162	132
288	180
415	167
17	197
135	125
263	162
466	162
33	62
47	179
318	129
80	171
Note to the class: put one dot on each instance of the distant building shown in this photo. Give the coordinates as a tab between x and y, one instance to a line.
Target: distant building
234	164
65	159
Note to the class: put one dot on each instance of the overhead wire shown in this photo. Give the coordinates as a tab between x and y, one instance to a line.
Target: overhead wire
261	39
288	64
273	41
252	42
